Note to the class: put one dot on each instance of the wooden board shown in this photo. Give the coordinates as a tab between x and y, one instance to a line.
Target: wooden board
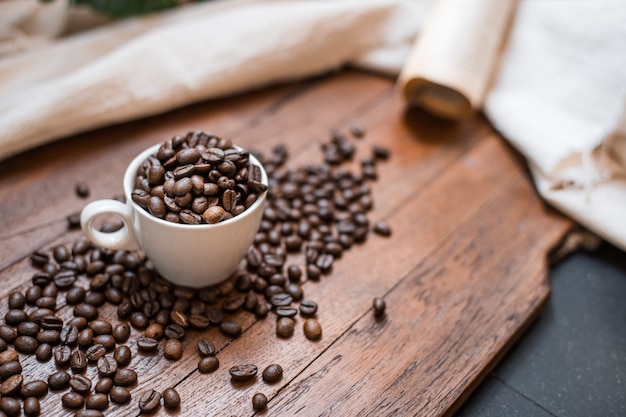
463	274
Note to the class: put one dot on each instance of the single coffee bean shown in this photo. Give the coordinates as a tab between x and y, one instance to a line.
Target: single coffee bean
125	377
205	347
308	308
214	214
80	384
12	385
97	401
119	395
59	380
79	322
198	321
243	372
78	361
84	338
51	337
105	340
171	399
82	189
147	344
122	355
215	316
382	228
9	356
104	385
85	310
149	401
32	407
230	328
101	327
208	364
154	331
36	388
286	312
15	316
312	329
172	349
26	344
272	373
51	322
16	300
281	299
174	331
139	320
107	366
285	327
262	310
9	369
313	272
72	400
62	355
69	334
379	306
43	352
95	352
121	332
10	406
259	401
94	298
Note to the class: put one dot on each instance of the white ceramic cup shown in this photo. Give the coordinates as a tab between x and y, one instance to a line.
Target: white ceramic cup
190	255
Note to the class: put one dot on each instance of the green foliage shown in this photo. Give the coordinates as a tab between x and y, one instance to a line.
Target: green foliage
118	9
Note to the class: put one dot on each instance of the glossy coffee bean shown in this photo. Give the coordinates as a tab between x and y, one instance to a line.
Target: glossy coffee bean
10	406
12	385
122	355
205	347
172	349
97	401
120	395
243	372
149	401
208	364
379	306
308	308
125	377
272	373
80	384
37	388
312	329
230	328
32	407
58	380
72	400
285	327
171	399
104	385
259	401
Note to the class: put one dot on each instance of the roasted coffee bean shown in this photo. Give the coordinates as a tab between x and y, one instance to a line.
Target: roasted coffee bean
97	402
84	338
64	278
230	328
147	344
259	401
285	327
124	310
28	328
12	385
125	377
139	320
8	333
58	380
79	322
113	295
10	406
272	373
233	304
174	331
122	355
382	228
75	295
32	407
206	347
62	355
198	321
324	262
51	322
154	331
103	386
78	361
32	294
48	336
243	372
286	311
89	412
180	318
171	399
43	352
15	316
36	388
95	352
119	395
10	368
69	334
214	315
73	400
214	214
16	300
26	344
262	310
313	272
9	356
39	259
294	273
208	364
149	401
95	299
281	300
61	253
379	306
80	384
107	366
82	189
85	310
312	329
172	349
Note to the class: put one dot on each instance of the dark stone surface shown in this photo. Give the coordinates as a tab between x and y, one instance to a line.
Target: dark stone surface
572	361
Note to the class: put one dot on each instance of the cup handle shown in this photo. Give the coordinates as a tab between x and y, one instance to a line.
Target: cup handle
123	239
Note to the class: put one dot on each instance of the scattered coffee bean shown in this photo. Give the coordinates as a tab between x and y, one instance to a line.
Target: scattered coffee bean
43	352
241	373
379	306
107	366
26	344
80	384
122	355
125	377
12	385
36	388
272	373
230	328
119	395
32	407
285	327
10	406
172	349
58	380
259	401
382	228
82	189
78	361
171	399
97	401
149	401
9	369
312	329
104	385
308	308
147	344
205	347
73	400
208	364
9	356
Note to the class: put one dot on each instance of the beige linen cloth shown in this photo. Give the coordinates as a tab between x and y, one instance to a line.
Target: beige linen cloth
559	95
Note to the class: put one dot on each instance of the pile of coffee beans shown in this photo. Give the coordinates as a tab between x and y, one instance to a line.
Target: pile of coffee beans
200	178
314	214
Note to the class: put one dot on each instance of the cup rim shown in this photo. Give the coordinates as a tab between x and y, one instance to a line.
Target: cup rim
129	179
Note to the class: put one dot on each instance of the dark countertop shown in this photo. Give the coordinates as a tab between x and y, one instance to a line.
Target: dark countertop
572	361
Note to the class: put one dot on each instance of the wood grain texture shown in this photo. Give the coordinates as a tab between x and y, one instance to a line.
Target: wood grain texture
463	274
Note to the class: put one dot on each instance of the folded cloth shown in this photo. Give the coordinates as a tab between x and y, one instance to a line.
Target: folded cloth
558	97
